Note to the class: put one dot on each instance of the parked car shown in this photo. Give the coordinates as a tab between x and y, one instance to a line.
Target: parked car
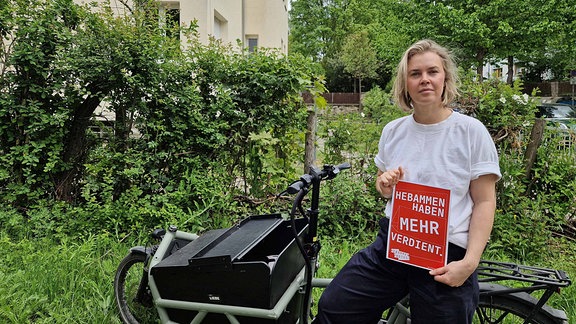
566	100
561	100
561	117
563	114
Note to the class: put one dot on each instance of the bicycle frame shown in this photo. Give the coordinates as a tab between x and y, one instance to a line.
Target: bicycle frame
490	272
548	280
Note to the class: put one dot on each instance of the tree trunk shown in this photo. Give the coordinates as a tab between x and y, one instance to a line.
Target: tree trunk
510	79
360	97
480	61
531	151
75	150
309	146
121	135
121	129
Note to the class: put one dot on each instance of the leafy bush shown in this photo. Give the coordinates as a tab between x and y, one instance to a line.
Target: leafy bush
379	107
350	206
355	135
529	208
530	212
503	109
349	137
205	119
519	228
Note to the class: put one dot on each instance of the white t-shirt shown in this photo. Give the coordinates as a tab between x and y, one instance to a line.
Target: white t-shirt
447	155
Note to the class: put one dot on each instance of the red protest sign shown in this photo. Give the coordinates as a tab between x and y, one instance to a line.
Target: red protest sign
418	233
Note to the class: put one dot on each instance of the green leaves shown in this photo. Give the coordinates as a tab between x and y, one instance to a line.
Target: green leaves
359	56
529	209
171	115
534	34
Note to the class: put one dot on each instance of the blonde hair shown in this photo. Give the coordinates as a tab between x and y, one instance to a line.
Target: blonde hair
451	81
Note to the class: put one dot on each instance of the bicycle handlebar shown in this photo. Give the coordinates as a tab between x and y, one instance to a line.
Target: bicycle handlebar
326	173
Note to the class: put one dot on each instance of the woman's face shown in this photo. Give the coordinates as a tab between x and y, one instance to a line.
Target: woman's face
426	77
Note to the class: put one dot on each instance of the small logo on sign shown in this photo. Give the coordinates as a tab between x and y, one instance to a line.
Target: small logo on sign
399	255
214	298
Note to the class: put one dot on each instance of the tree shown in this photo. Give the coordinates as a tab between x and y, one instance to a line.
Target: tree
65	60
492	30
359	57
46	102
61	61
556	53
319	29
536	34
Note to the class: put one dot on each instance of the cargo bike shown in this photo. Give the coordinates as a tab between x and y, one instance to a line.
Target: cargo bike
263	270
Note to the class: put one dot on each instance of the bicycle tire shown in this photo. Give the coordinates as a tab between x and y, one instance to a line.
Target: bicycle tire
514	308
126	283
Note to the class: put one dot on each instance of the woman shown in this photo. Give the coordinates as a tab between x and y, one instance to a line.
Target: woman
433	146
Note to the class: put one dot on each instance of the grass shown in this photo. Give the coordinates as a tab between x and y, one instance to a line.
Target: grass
71	282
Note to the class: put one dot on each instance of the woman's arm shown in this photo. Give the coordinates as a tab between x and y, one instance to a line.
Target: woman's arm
483	193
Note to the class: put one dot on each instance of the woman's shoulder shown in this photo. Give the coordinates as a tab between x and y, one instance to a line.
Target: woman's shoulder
472	126
467	119
398	122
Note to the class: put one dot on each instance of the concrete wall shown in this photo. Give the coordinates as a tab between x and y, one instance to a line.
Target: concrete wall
227	14
268	20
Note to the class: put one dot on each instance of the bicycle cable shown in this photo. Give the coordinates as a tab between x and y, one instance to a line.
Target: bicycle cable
308	264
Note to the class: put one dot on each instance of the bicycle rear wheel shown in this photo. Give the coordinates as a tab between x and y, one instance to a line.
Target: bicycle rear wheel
129	276
507	309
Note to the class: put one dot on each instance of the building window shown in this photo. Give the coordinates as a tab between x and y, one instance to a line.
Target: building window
252	43
220	27
217	28
173	23
497	73
169	19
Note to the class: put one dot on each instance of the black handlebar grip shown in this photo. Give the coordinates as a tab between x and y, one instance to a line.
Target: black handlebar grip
295	187
343	166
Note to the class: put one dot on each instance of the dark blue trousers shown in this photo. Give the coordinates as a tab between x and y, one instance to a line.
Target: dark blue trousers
369	284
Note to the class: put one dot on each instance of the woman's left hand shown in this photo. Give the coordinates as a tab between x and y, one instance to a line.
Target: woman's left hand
454	274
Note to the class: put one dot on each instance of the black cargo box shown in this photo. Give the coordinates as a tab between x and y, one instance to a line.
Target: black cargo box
250	264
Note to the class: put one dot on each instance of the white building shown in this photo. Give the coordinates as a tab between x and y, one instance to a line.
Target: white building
500	71
255	23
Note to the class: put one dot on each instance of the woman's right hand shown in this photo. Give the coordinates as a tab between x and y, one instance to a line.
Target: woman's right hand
385	181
